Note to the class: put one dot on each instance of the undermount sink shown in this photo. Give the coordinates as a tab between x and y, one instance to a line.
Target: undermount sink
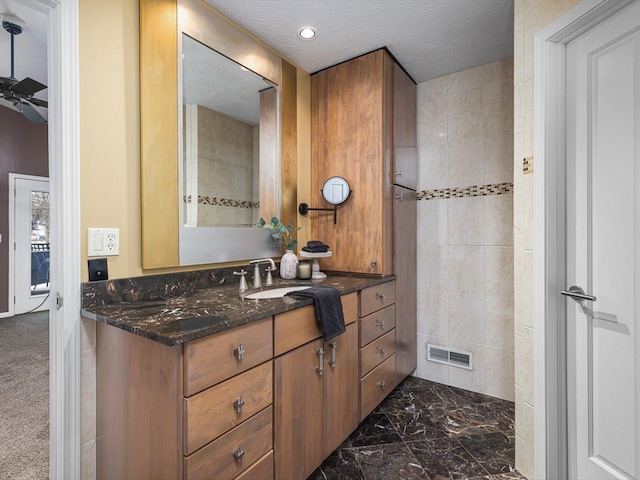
273	293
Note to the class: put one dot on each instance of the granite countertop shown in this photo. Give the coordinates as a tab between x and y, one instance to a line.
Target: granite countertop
176	319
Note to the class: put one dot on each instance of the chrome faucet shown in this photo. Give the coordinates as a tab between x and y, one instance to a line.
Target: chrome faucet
257	281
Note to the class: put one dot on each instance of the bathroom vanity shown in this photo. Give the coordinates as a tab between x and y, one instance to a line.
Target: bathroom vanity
207	384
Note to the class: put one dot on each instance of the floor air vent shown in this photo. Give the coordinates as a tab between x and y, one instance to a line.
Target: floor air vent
455	358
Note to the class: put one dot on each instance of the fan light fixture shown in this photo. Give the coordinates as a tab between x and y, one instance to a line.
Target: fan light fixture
307	33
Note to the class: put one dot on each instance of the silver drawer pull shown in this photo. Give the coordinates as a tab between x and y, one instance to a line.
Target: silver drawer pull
239	352
238	454
399	174
380	296
381	351
399	196
334	347
239	404
577	293
380	323
383	384
320	367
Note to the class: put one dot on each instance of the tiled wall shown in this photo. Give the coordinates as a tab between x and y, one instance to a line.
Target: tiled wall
530	16
220	153
465	228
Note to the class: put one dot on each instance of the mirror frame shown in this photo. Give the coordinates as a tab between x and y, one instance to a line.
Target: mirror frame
159	63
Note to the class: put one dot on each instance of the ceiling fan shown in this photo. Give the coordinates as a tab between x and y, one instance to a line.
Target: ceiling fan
21	92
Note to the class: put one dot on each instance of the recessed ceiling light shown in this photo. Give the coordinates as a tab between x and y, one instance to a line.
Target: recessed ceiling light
307	33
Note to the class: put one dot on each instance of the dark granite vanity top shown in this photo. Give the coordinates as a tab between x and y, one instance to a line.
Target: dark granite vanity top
170	316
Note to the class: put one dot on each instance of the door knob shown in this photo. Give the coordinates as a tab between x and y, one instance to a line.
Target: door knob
577	293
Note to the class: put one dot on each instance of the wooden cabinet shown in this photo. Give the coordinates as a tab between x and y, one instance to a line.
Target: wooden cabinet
377	345
316	392
196	411
363	115
351	136
266	400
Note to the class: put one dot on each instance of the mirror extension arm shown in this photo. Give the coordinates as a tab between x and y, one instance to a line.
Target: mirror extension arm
304	209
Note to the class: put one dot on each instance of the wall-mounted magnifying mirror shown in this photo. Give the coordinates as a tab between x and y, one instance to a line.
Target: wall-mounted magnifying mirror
335	191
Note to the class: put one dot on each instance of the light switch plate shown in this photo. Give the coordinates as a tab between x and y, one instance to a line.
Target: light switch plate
103	242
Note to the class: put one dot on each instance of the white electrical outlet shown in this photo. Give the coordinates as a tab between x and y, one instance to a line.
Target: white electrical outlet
103	242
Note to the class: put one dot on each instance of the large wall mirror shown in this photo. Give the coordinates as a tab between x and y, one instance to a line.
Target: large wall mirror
211	164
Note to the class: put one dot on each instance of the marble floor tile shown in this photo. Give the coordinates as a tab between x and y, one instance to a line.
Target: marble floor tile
494	451
376	429
445	458
429	431
340	465
384	462
418	424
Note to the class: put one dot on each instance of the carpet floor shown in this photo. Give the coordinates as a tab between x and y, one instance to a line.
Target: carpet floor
24	397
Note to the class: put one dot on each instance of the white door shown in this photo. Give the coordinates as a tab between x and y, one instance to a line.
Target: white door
31	243
603	248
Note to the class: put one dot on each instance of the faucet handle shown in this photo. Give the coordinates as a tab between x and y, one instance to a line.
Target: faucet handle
243	281
269	280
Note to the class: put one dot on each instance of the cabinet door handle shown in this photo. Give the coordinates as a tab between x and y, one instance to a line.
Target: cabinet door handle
334	347
320	367
239	352
381	351
380	296
380	323
399	196
383	384
239	404
399	174
238	454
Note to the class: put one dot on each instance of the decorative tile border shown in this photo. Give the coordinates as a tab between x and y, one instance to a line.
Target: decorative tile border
461	192
527	165
224	202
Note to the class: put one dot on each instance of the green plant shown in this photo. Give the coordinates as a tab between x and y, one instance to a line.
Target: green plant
284	235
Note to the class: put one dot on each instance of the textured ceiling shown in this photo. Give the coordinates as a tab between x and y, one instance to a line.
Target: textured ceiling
215	82
430	38
30	47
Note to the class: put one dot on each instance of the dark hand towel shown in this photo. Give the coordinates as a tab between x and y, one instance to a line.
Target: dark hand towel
324	249
316	246
328	309
316	243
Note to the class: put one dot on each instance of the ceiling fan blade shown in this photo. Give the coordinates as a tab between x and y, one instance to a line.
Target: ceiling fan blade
38	102
32	114
6	82
28	87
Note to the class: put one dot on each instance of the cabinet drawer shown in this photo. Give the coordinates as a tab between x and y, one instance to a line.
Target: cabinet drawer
261	470
374	298
215	358
213	412
377	352
218	459
297	327
376	324
377	385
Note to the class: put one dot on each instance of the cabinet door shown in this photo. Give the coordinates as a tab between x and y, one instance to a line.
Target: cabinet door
405	255
341	388
351	130
298	407
405	169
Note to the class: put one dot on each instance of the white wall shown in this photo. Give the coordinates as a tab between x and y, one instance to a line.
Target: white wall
465	226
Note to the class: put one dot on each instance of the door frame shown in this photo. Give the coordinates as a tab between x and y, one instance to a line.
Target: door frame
64	181
550	384
12	237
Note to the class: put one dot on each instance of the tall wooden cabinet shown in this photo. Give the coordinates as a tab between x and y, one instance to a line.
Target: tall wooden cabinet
351	137
363	115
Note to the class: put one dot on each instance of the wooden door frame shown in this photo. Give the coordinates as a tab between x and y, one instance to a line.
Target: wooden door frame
550	384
